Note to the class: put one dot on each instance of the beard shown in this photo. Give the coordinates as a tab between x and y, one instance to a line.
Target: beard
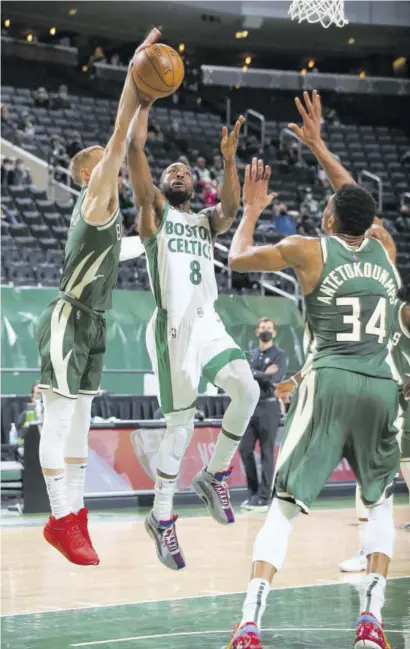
177	197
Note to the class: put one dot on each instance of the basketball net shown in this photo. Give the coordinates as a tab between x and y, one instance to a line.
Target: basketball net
326	12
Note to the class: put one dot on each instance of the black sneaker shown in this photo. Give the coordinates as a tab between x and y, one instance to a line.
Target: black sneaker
257	504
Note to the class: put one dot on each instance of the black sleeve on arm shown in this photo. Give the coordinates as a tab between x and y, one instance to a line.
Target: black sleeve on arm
282	362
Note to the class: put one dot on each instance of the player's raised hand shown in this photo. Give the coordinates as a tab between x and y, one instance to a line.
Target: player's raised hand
311	112
229	142
255	190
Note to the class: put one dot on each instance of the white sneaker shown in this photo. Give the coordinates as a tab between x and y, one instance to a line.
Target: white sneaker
358	563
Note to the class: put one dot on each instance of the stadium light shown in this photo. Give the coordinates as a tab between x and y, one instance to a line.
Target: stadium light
7	23
311	63
362	74
244	68
248	60
243	34
84	68
181	47
351	41
72	12
29	37
53	31
303	71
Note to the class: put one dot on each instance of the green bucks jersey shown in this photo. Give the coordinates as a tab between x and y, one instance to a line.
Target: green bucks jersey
400	346
181	262
92	255
351	310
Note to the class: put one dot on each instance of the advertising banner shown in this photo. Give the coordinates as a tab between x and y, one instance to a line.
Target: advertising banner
124	460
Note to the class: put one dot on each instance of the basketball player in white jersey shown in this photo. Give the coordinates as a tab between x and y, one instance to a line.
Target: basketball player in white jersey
186	337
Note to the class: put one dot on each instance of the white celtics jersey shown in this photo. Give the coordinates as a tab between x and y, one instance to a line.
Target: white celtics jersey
181	262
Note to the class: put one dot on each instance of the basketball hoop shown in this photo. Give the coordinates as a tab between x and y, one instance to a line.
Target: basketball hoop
326	12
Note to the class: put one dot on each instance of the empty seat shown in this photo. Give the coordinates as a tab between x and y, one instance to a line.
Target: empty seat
21	275
40	231
47	275
48	243
32	218
18	230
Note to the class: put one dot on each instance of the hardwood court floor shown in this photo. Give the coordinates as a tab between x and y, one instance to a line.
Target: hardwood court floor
130	601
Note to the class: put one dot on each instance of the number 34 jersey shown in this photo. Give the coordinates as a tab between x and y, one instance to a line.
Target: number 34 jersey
350	312
181	262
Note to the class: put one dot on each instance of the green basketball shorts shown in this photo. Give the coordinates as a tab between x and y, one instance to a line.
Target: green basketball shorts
71	343
337	414
403	425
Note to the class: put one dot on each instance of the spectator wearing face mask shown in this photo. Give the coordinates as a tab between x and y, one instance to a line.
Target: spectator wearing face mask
268	364
25	127
282	220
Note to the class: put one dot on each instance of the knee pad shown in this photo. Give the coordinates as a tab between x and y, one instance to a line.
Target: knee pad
58	415
272	541
237	381
380	533
180	426
77	439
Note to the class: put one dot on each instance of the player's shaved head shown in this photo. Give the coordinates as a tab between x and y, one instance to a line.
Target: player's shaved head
84	162
176	183
351	209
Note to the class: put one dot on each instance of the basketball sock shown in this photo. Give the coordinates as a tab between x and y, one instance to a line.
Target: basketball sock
372	595
362	535
56	492
164	498
225	448
255	601
405	469
75	481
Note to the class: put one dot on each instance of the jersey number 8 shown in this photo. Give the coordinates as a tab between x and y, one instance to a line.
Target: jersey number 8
195	274
376	325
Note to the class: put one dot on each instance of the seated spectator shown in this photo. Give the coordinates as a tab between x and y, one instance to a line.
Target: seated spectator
74	144
33	412
202	175
127	206
25	127
115	59
97	57
210	194
7	172
59	157
217	169
306	225
310	203
5	117
154	131
22	175
282	220
41	98
61	99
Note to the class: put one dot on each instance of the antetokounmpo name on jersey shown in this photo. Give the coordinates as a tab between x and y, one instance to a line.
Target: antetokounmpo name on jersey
189	239
345	272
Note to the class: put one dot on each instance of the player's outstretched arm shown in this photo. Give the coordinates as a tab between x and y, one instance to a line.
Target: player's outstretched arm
309	133
223	215
244	256
148	199
101	200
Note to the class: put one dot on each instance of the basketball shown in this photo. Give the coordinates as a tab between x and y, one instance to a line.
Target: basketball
158	71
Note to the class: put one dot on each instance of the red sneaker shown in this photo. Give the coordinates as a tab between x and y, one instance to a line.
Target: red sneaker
370	633
82	518
65	535
246	636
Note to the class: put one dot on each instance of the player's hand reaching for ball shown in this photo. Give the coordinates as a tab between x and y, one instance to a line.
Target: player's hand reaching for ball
151	38
229	142
256	187
311	114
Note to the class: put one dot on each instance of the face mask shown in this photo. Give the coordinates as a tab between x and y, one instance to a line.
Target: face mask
265	336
